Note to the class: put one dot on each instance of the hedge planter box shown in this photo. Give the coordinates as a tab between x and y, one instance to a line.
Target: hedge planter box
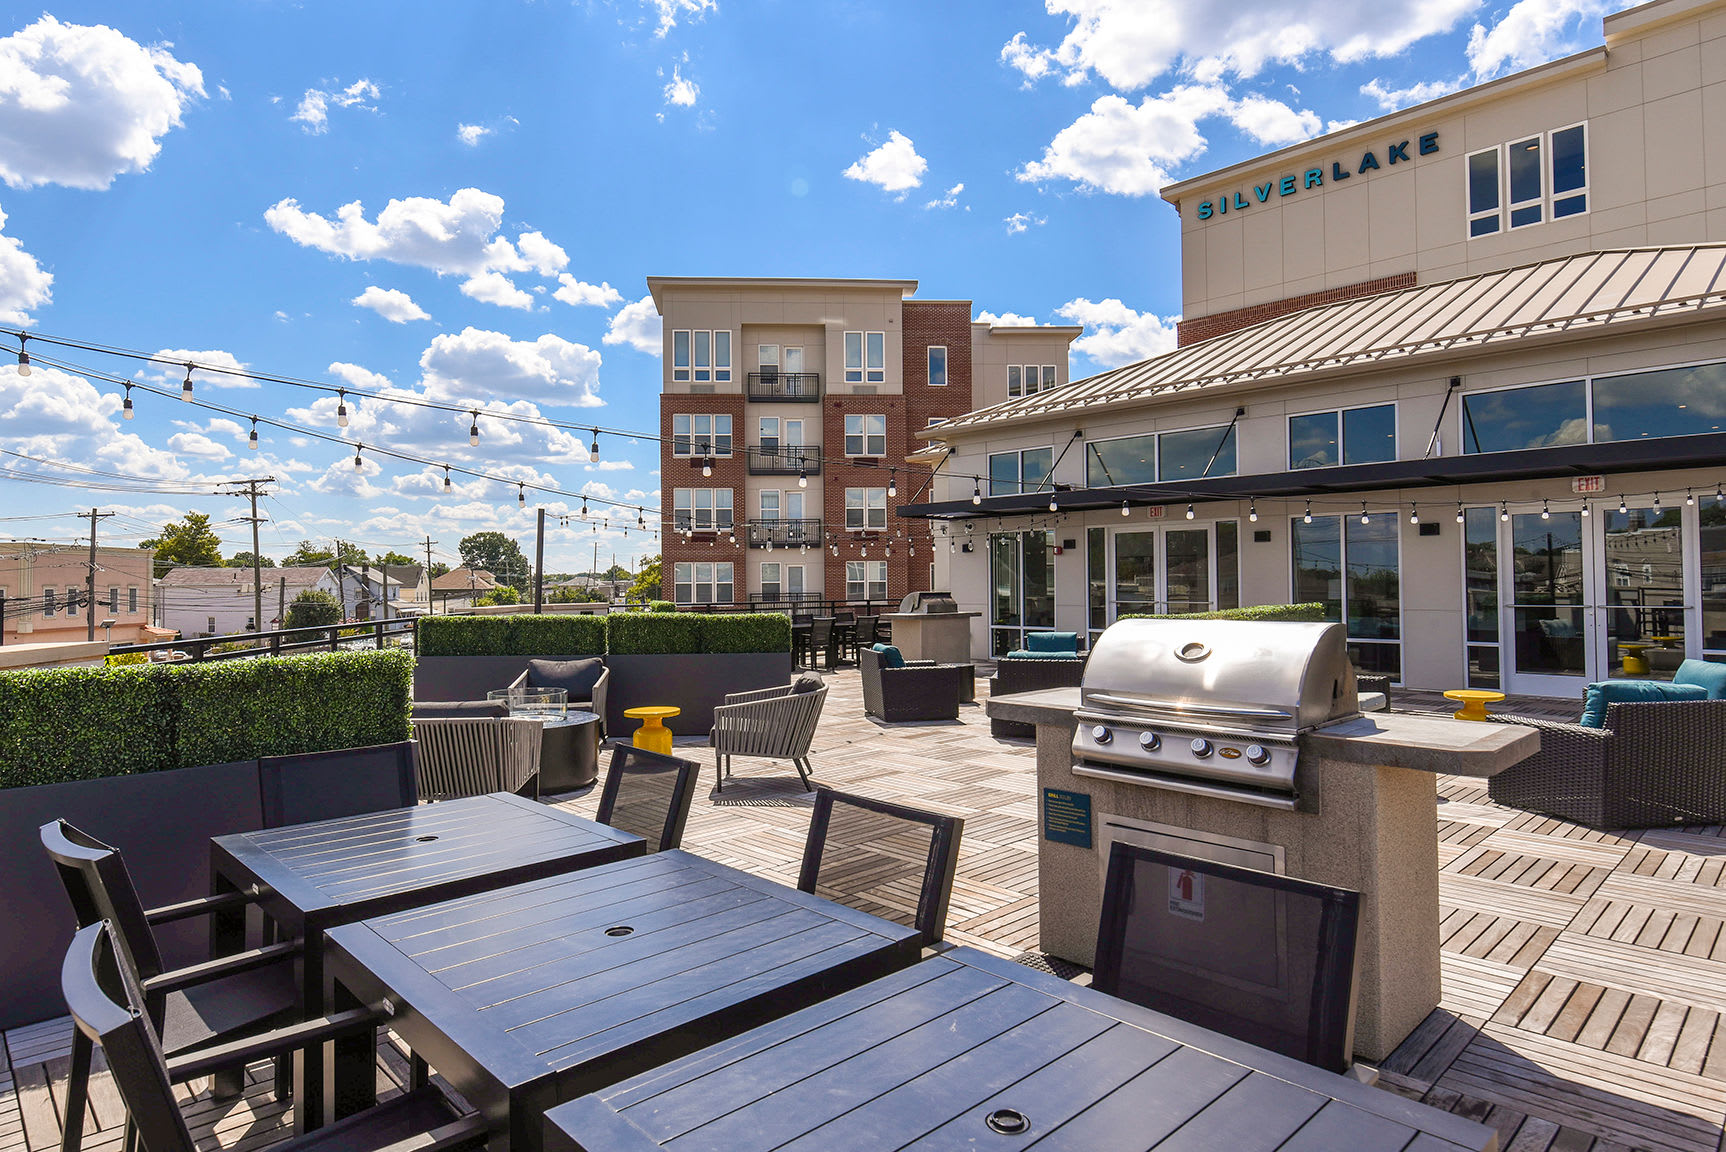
696	682
470	677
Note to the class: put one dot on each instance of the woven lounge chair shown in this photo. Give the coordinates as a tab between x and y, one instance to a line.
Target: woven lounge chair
774	723
477	757
914	692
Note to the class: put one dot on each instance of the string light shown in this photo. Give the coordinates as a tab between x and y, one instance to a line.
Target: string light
473	431
1545	512
593	450
976	492
446	484
1585	509
253	438
802	475
1307	519
892	482
1414	513
1053	507
706	464
520	494
341	409
1503	511
1623	509
359	465
584	507
126	408
1364	518
1657	503
1689	498
1459	516
186	386
1189	511
1719	496
23	356
1125	511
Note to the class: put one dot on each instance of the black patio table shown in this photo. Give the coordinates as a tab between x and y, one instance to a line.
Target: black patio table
539	993
966	1050
313	877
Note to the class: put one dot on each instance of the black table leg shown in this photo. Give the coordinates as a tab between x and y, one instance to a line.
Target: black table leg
310	1066
350	1077
227	936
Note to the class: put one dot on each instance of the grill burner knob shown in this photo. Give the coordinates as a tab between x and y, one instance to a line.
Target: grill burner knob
1150	741
1257	756
1201	748
1101	734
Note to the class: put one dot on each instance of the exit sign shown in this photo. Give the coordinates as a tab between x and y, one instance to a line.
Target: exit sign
1155	512
1587	485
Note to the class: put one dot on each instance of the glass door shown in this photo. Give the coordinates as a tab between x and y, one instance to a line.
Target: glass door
1135	575
1643	606
1550	628
1022	587
1187	570
1158	571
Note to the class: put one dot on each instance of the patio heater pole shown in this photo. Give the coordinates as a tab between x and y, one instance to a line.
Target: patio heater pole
539	565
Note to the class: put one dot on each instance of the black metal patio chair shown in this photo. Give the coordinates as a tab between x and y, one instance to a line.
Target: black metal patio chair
648	794
329	785
886	859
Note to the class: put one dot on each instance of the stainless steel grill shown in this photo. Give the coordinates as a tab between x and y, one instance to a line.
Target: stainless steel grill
929	603
1211	707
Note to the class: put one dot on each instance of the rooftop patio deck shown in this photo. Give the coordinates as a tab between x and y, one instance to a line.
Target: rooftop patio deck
1584	973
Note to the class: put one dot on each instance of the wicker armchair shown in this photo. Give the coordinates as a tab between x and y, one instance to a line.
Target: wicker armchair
476	757
1654	765
774	723
914	692
1029	674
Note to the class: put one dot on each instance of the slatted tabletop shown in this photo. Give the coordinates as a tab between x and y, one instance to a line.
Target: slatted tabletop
544	991
962	1049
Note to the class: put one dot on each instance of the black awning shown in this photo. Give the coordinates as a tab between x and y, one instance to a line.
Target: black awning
1641	455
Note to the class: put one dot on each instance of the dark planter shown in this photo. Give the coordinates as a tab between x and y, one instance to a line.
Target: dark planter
162	821
696	683
469	677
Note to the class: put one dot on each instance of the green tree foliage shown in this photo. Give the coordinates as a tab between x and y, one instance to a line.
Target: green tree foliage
496	553
312	608
646	586
244	560
438	569
394	559
502	594
309	555
186	542
575	596
618	572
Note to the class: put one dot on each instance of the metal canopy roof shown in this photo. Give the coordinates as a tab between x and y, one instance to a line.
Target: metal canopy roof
1664	454
1572	294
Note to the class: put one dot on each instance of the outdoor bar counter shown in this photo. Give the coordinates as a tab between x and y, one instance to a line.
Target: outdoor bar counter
1367	823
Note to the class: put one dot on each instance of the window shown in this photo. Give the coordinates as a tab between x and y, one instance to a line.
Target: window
1349	436
700	435
1029	379
1129	460
701	583
1667	402
1353	569
767	356
703	356
865	579
701	509
1528	181
210	628
865	357
47	601
1021	587
73	596
1023	471
866	508
1480	579
937	366
770	504
1198	452
770	581
131	599
865	435
113	598
1537	417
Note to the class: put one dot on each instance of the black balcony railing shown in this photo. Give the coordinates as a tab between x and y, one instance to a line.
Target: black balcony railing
785	533
785	460
773	385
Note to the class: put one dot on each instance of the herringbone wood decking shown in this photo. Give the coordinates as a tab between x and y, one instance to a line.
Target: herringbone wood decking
1584	973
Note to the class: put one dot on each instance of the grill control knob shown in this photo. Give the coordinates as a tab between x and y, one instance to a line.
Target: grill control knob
1201	748
1101	734
1257	756
1150	741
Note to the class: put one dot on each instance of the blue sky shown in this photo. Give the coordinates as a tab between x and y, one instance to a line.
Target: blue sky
460	203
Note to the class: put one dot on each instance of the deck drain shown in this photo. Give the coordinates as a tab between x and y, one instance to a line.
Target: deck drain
619	930
425	839
1008	1122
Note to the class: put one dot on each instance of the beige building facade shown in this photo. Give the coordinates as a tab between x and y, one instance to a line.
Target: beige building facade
46	593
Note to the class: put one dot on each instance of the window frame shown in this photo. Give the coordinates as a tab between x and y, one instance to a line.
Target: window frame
864	435
860	371
1344	519
132	599
687	365
1341	442
687	513
72	596
1548	200
930	353
48	601
1160	433
688	575
1047	377
870	501
863	588
1156	459
684	443
1018	455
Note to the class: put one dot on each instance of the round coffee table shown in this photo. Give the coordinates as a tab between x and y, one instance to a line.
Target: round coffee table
569	752
653	735
1473	701
1634	658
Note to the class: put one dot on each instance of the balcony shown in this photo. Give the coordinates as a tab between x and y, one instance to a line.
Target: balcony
785	460
785	533
771	385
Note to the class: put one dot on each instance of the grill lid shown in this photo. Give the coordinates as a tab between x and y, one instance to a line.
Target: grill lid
928	603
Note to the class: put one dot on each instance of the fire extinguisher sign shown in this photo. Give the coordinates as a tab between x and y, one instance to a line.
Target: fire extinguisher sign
1186	894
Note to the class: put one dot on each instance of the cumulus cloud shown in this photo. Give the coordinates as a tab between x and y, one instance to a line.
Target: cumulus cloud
1126	149
1019	221
199	445
541	254
1006	320
1271	122
577	292
496	288
471	134
681	92
670	11
549	370
81	104
313	111
61	416
210	362
1116	334
949	198
637	325
893	167
392	304
1533	32
23	282
1390	99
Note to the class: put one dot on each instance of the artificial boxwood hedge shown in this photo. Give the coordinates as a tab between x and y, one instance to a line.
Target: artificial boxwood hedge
1301	613
516	634
60	724
654	633
747	632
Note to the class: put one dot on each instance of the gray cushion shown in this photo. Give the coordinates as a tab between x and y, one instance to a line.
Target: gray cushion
578	676
807	682
459	709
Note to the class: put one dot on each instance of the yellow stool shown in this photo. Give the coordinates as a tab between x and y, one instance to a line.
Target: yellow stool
653	735
1635	659
1473	701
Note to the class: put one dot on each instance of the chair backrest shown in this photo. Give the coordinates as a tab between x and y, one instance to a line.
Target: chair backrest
103	995
474	757
329	785
100	888
1264	958
886	859
820	632
649	794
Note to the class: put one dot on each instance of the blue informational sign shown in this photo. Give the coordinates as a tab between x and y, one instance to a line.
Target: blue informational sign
1067	817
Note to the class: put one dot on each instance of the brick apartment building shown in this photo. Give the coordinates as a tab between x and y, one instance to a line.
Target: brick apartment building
788	409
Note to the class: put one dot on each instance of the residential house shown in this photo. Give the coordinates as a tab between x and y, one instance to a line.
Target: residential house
459	587
219	601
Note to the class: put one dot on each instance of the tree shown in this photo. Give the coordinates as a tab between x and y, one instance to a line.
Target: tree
188	542
244	560
394	559
438	568
309	555
498	554
646	586
618	572
575	596
313	607
502	594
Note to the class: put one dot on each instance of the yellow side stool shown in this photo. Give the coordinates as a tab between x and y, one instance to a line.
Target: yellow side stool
1473	701
653	735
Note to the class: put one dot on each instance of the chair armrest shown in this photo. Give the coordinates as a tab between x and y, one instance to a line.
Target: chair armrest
202	973
520	681
202	906
206	1061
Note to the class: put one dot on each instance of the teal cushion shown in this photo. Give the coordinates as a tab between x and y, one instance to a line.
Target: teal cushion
1709	676
891	657
1064	642
1033	654
1598	696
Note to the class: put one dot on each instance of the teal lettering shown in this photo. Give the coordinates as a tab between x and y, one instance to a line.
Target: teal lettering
1241	202
1264	191
1336	172
1315	177
1205	211
1398	152
1223	206
1286	188
1368	161
1429	143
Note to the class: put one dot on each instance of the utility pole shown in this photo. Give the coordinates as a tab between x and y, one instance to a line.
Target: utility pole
426	575
341	578
539	565
90	578
252	491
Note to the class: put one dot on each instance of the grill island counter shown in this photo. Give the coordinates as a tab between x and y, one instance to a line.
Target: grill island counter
929	626
1242	741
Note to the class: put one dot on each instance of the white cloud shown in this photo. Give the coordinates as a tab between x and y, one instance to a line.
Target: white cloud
313	112
681	92
358	377
579	292
1019	221
611	466
669	11
550	370
392	304
496	288
1117	147
471	134
81	104
1116	334
1271	122
637	325
199	445
208	373
541	254
949	198
1006	320
1533	32
459	237
893	167
1390	99
1130	43
58	415
23	282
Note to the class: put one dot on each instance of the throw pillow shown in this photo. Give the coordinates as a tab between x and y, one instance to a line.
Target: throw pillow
1066	643
578	676
891	657
1599	696
1711	677
807	682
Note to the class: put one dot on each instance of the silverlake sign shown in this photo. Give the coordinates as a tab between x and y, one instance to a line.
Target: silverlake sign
1340	170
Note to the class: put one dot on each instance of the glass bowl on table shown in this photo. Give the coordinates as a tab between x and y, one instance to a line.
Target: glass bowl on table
533	703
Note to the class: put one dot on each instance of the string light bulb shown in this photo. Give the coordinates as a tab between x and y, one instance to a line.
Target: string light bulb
706	465
186	386
253	438
1459	516
126	406
802	475
446	483
976	492
1253	511
1545	512
1414	513
892	482
1125	511
359	465
520	494
341	408
1364	518
1719	495
473	431
1189	511
1053	507
593	449
1585	509
1307	518
1503	511
1689	498
1623	509
1657	503
23	356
